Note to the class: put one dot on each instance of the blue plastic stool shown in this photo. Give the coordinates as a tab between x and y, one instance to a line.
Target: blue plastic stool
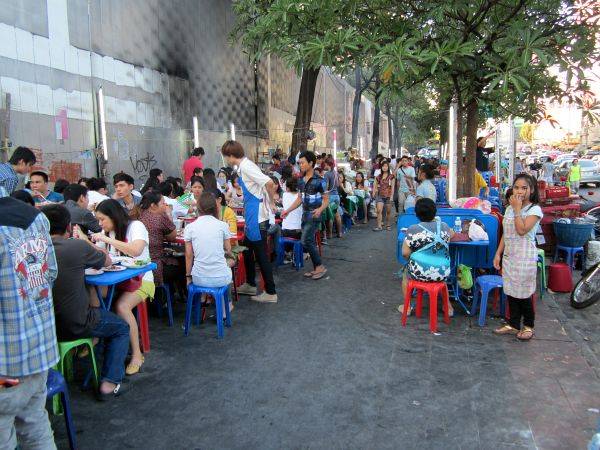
221	296
486	283
298	260
571	253
159	307
346	222
56	384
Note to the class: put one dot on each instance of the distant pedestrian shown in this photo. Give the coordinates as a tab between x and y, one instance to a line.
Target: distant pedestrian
193	162
574	176
548	172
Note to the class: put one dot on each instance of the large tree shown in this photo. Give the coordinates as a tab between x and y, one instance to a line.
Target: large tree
306	35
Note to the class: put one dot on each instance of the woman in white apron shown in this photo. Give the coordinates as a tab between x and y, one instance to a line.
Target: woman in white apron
517	256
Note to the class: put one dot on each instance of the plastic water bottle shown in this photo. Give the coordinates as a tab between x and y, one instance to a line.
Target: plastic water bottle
457	225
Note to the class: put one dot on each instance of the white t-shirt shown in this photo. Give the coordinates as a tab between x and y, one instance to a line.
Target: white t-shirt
255	182
136	231
178	209
96	197
207	234
293	221
530	210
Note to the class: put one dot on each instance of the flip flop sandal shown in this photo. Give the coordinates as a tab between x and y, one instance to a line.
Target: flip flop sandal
377	229
388	228
525	334
309	274
319	275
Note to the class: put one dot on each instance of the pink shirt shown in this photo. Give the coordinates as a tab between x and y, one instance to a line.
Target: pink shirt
189	165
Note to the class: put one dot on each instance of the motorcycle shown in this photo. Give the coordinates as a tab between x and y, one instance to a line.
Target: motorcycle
587	289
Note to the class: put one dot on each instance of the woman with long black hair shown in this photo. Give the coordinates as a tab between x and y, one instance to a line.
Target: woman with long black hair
121	236
155	177
517	256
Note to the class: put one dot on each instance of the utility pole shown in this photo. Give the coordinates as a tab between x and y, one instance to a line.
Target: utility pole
511	149
452	152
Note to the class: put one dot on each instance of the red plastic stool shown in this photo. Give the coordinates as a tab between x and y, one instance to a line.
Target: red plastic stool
142	319
560	278
432	289
319	242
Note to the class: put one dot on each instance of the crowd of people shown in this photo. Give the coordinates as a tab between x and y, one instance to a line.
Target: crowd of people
50	237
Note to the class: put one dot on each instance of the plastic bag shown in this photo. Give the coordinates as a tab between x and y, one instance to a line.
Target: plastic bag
477	233
472	203
465	278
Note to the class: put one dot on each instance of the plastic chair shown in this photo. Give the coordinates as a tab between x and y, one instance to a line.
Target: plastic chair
142	319
541	265
346	222
298	251
56	384
432	289
319	242
486	284
221	296
65	364
159	307
571	253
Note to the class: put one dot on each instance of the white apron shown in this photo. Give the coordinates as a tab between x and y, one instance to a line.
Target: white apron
519	262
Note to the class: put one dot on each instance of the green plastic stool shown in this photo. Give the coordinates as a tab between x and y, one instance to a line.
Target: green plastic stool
65	365
541	265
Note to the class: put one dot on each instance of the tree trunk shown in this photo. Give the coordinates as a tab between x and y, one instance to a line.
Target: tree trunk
376	116
304	110
375	136
356	105
391	135
399	130
469	169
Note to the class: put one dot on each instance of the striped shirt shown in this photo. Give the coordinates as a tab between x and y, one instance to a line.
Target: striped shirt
312	194
27	271
8	178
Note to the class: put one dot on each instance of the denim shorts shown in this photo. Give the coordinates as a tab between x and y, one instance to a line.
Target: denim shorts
384	200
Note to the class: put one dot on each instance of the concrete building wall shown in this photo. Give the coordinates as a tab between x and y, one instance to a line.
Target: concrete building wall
159	63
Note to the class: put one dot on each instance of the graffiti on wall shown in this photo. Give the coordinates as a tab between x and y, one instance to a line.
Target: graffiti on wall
141	166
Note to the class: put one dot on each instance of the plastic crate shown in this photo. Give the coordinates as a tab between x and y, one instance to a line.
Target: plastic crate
573	234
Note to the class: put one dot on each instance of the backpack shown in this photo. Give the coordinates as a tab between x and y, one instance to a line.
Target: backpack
431	263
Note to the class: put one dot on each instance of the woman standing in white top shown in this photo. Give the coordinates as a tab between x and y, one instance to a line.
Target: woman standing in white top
122	236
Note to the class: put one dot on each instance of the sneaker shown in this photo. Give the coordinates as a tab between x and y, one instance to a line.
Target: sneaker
264	298
246	289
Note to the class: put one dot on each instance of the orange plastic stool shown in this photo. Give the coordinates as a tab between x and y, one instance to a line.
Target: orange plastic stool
142	319
432	289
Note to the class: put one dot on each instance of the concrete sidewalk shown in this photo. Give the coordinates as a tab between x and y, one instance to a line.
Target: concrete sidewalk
329	366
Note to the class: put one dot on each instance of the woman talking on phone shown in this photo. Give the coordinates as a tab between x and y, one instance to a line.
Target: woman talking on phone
517	256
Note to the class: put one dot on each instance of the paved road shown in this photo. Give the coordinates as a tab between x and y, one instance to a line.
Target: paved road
329	366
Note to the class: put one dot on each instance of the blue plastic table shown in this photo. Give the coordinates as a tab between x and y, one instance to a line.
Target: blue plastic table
111	279
455	256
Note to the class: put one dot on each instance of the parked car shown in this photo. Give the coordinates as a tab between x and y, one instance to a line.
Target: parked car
590	171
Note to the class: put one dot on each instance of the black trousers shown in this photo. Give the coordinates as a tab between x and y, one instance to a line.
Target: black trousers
521	308
257	253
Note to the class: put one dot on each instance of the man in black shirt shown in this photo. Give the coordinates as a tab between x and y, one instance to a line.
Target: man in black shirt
481	159
75	317
76	201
